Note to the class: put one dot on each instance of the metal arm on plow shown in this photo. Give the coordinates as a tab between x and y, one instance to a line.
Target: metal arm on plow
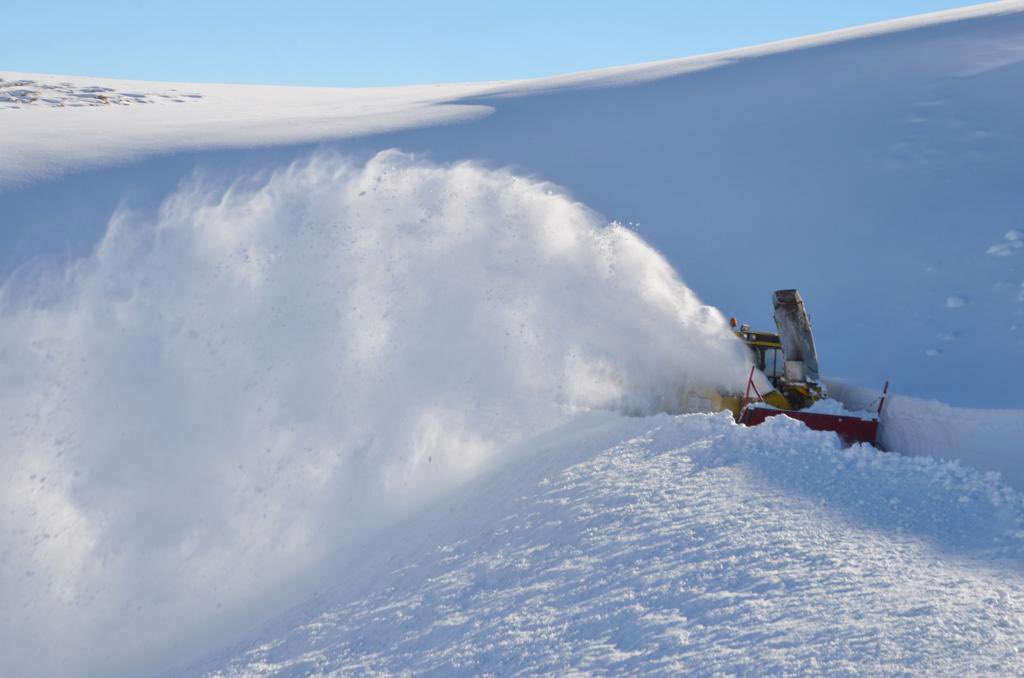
750	385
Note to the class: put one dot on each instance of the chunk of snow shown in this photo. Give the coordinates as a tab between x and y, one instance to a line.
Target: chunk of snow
832	406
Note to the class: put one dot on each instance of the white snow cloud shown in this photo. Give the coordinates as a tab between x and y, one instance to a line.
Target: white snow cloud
219	400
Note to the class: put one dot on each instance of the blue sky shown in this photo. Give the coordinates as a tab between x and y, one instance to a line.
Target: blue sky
390	42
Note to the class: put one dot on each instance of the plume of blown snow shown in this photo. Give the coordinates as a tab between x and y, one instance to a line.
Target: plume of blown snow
226	394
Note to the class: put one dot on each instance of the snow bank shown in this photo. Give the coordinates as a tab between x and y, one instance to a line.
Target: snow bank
990	440
220	398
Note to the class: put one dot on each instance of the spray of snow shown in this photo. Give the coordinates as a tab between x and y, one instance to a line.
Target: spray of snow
223	397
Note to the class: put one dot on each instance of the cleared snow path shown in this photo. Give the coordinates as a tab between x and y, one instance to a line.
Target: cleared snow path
695	545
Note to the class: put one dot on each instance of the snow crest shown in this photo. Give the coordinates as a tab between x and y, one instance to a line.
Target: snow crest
220	398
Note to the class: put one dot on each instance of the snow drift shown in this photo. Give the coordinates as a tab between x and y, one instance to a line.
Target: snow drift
224	395
988	440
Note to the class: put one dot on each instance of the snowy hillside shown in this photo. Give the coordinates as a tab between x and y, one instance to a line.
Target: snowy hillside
406	353
876	169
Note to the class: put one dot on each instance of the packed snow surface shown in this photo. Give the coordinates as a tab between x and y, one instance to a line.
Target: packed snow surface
242	341
685	545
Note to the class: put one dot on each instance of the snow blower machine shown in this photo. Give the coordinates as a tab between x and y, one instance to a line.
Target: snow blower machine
789	361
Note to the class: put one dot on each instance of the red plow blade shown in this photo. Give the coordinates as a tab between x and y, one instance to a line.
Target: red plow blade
850	429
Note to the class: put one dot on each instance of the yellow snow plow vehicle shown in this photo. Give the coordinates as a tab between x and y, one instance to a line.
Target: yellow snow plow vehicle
789	361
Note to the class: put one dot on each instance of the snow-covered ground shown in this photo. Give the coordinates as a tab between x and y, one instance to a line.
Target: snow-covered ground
678	545
242	342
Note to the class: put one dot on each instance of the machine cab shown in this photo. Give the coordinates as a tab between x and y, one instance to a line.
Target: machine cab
766	350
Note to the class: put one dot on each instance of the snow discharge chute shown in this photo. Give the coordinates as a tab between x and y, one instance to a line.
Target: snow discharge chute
227	393
795	334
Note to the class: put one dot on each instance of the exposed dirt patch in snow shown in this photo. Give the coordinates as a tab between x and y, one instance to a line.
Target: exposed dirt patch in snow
24	92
